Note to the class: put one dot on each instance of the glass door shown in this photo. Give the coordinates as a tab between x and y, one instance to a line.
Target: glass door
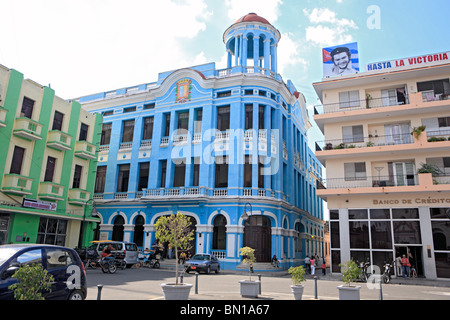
404	174
398	133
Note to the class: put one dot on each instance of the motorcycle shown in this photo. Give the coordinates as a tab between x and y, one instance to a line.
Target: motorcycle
149	260
387	272
364	276
119	260
93	261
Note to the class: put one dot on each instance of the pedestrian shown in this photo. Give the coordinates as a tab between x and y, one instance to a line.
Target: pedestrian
398	265
275	261
412	262
324	267
405	266
308	264
313	266
182	258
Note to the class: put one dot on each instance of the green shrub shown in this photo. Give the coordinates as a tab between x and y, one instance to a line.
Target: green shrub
350	272
297	275
32	281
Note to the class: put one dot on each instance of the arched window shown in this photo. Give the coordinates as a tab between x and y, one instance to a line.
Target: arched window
117	234
219	233
139	231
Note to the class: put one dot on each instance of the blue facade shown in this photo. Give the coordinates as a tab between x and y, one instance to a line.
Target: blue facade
212	144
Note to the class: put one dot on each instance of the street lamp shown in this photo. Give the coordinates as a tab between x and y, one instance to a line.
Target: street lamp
94	213
245	216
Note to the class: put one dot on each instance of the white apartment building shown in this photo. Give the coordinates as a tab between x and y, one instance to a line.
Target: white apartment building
387	158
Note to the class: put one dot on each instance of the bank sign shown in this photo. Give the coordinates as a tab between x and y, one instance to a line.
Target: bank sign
409	62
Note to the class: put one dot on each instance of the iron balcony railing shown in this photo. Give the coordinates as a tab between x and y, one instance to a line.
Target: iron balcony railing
358	105
370	182
370	141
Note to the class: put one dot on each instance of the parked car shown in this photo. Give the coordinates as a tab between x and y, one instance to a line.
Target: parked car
203	262
64	264
129	249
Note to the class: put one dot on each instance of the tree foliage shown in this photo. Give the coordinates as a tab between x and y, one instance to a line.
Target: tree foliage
350	272
32	281
177	231
248	257
297	275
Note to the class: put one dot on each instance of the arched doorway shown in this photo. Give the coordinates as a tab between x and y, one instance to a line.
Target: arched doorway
117	234
219	233
138	237
257	235
298	240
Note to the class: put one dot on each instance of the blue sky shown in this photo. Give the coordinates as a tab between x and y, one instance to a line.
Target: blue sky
88	46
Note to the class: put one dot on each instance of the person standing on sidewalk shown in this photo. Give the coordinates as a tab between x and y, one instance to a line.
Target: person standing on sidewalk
308	264
324	267
412	262
405	266
398	265
313	266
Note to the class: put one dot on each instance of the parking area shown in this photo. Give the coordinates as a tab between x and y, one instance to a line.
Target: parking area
145	284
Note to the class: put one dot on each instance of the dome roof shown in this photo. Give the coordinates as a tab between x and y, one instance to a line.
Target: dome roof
252	17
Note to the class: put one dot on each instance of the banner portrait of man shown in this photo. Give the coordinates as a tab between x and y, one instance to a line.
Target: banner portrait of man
340	60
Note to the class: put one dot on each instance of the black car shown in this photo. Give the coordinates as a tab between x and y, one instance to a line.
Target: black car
64	264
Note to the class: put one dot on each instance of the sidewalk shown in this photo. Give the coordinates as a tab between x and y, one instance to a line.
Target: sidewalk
145	284
278	272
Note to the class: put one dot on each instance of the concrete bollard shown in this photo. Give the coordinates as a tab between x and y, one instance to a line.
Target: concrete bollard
316	293
99	291
196	283
259	278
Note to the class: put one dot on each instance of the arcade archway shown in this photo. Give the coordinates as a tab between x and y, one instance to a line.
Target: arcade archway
258	235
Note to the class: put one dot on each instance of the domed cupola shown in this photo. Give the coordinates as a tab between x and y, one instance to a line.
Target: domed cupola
252	42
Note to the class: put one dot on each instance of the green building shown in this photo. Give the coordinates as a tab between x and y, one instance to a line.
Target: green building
48	163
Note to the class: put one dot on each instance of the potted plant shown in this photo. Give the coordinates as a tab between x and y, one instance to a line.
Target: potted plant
430	168
249	288
416	131
297	277
350	272
177	231
368	98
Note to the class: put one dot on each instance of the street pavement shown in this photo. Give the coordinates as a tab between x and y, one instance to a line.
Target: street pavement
145	284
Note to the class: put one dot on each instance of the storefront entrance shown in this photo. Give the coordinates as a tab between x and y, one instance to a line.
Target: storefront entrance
257	235
4	225
416	253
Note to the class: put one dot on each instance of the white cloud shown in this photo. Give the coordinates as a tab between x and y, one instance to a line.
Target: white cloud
328	29
268	9
288	53
104	44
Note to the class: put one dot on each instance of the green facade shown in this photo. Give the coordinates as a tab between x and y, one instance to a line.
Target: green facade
24	222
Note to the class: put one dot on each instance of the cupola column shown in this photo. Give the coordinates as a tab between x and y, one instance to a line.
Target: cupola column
256	53
230	54
267	56
244	51
273	55
236	50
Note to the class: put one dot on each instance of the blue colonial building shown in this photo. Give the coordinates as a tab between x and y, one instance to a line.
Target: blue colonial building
226	147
